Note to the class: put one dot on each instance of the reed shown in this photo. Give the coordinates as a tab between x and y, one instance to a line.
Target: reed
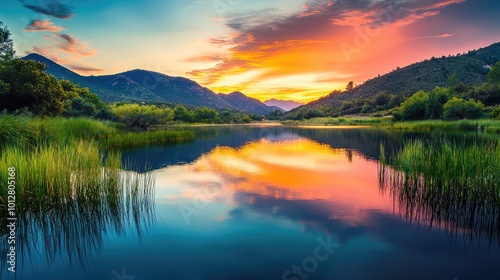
70	195
23	131
449	184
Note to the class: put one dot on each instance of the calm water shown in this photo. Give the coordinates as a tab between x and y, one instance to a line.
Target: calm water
271	203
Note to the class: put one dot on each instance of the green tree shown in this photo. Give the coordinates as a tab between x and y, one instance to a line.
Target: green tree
142	116
6	44
457	108
26	86
182	114
452	83
493	76
415	107
206	115
437	98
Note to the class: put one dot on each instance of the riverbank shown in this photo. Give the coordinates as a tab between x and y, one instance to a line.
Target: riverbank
481	125
23	131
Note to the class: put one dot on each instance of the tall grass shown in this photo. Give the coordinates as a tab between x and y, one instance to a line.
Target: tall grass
484	125
68	196
449	185
24	131
70	185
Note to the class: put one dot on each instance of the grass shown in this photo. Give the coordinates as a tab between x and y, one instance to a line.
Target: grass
483	125
341	121
70	185
448	184
486	125
69	195
24	131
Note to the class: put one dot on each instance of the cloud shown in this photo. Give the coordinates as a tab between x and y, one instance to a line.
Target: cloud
81	68
41	25
50	8
309	41
51	53
446	35
70	44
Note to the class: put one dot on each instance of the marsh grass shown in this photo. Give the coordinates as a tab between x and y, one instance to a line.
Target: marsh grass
483	125
23	131
449	184
71	187
69	196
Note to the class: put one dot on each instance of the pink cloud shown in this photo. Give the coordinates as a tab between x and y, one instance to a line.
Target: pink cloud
41	25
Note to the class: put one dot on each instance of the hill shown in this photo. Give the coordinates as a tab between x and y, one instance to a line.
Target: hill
470	68
142	85
239	101
286	105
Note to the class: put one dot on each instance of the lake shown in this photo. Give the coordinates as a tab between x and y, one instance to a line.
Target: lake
249	202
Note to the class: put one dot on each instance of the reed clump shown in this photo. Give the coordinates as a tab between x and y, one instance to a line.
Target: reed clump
448	184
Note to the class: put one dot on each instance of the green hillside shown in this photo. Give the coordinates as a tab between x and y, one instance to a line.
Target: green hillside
470	69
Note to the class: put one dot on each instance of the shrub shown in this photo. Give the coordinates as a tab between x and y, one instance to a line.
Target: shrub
458	108
415	107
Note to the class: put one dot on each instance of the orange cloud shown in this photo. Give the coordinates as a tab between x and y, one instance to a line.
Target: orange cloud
267	52
70	44
41	25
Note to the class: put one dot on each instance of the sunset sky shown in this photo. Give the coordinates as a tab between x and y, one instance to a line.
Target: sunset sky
286	49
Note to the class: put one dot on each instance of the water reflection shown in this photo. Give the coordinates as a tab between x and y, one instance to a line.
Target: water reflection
312	182
74	232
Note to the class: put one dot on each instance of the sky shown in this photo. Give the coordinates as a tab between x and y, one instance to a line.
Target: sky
285	49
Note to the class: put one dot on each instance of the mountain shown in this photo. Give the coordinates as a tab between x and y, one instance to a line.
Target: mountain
241	102
142	85
286	105
471	68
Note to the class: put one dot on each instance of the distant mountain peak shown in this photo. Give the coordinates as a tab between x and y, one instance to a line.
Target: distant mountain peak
286	105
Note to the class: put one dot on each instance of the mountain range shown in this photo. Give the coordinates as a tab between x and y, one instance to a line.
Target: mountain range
142	85
286	105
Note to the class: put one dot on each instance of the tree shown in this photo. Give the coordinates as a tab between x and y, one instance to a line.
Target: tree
182	114
142	116
26	86
493	76
350	86
206	115
457	108
415	107
452	83
6	44
437	98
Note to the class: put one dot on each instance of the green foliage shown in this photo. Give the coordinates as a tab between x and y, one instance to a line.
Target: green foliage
206	115
437	98
493	76
495	113
415	107
457	108
25	131
182	114
434	180
31	88
6	44
142	116
275	115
